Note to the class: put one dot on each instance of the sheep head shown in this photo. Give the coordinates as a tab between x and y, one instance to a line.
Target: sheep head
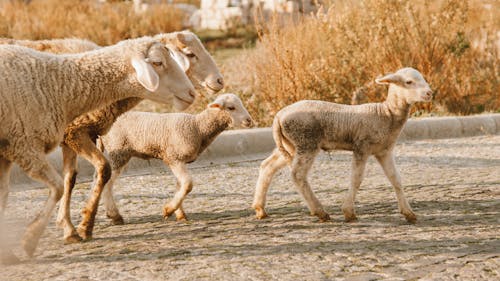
232	104
408	84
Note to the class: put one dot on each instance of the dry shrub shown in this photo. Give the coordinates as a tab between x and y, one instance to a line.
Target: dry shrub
103	23
454	43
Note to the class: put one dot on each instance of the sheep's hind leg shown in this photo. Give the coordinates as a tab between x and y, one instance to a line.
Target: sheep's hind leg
37	167
90	152
357	174
387	162
267	170
6	255
64	214
186	185
301	165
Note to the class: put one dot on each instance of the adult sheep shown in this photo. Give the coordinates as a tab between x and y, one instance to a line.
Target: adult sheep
80	136
42	93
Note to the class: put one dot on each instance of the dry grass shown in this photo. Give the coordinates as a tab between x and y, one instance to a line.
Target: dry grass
454	43
103	23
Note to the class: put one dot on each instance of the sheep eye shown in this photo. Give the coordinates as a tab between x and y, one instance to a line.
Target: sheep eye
157	63
409	82
231	108
190	55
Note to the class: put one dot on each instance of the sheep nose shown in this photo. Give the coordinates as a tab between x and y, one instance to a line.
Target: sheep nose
220	81
192	94
249	122
429	94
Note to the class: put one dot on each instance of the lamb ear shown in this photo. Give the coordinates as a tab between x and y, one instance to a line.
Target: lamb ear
217	104
181	59
146	75
182	39
389	78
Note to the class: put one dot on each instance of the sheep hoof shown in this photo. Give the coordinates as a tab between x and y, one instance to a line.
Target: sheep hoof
181	219
167	212
260	213
85	234
411	218
74	238
117	220
350	218
8	258
29	245
324	217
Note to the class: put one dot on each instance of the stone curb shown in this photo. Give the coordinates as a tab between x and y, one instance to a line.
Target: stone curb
255	144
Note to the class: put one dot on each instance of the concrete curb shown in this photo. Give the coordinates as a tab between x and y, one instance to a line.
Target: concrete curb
254	144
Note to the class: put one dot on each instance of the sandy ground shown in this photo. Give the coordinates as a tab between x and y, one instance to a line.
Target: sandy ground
453	186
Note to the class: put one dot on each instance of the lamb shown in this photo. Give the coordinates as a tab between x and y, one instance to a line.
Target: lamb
80	136
175	138
42	93
304	128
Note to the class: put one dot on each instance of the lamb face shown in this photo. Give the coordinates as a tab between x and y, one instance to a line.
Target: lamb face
409	84
235	108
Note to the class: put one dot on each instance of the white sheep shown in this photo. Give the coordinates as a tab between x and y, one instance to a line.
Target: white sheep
42	93
56	46
304	128
175	138
80	136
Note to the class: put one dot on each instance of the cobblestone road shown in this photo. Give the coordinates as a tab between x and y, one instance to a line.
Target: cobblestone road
453	186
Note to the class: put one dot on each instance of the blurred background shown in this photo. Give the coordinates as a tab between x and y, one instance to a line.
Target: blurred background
276	52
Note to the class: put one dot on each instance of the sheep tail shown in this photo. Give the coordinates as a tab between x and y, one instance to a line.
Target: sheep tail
280	139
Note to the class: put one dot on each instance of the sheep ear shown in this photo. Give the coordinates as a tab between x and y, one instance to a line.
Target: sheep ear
217	104
146	75
182	39
181	59
389	78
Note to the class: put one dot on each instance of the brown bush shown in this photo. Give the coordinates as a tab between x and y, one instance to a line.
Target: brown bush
103	23
332	54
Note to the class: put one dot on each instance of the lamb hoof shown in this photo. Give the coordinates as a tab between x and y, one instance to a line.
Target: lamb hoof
84	234
117	220
167	212
74	238
8	258
260	213
324	217
411	217
351	218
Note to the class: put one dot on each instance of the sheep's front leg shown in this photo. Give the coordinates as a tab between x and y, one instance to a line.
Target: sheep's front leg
267	170
186	185
387	162
6	255
64	214
357	174
301	165
112	211
37	167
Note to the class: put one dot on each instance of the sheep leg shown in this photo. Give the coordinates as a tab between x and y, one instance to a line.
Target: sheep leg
180	215
186	185
64	214
89	151
387	162
301	165
268	169
112	211
357	174
38	168
6	255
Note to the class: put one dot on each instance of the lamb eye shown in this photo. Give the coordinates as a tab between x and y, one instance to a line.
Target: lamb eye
409	82
157	63
231	108
190	55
